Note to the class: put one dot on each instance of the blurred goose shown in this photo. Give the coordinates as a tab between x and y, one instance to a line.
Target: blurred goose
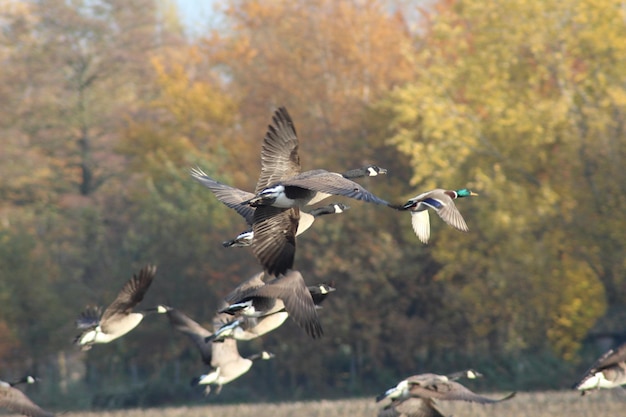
186	325
248	328
16	401
438	387
223	358
256	298
466	373
233	197
119	317
411	407
608	371
442	201
228	365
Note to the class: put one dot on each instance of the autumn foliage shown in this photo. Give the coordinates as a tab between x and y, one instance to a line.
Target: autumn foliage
108	104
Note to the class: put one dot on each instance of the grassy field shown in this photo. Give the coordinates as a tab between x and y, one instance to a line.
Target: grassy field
543	404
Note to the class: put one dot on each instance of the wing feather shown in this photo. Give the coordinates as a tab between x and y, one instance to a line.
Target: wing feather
131	293
274	241
279	152
229	196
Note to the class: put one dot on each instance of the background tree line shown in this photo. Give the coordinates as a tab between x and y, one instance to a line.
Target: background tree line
106	105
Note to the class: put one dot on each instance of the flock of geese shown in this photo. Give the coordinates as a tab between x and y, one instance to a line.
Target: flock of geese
274	215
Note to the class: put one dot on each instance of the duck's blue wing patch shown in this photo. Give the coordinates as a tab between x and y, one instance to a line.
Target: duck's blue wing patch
433	203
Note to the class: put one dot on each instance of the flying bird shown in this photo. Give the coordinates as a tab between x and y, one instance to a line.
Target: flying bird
118	318
257	298
437	387
282	190
248	328
440	200
223	358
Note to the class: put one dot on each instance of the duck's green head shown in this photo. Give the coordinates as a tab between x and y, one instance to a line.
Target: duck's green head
465	192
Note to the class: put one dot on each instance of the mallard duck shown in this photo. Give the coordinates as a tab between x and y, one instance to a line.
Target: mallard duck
16	401
440	200
119	317
608	371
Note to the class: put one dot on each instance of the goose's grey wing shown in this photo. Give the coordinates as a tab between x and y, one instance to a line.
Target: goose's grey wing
411	407
274	241
451	391
420	220
184	324
225	352
230	196
16	401
243	289
294	293
279	153
131	293
332	183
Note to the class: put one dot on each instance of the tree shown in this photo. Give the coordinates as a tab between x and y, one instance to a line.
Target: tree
500	104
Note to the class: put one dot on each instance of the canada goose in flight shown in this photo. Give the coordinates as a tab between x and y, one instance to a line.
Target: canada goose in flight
282	184
609	371
233	198
306	221
16	401
228	365
119	317
223	358
282	190
411	407
186	325
256	298
440	200
438	387
248	328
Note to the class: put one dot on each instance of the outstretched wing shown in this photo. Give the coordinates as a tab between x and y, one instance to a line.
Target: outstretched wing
279	153
230	196
334	184
274	241
17	402
610	358
132	293
292	290
89	318
186	325
450	391
446	209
